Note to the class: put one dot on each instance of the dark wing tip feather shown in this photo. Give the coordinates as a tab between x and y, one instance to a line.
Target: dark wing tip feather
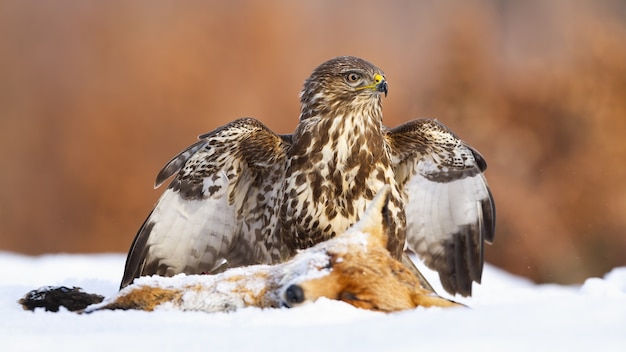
177	162
480	160
463	262
462	259
488	206
137	254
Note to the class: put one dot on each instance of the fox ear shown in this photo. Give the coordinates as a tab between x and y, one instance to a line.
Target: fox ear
376	219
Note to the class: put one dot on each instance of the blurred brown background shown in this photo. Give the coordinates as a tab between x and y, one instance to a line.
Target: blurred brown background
95	96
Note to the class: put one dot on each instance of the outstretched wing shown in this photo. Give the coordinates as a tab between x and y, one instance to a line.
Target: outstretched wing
212	213
450	210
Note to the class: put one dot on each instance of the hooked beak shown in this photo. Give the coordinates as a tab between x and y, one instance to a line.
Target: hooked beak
381	84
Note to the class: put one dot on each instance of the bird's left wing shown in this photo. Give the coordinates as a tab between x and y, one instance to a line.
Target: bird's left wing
214	211
450	211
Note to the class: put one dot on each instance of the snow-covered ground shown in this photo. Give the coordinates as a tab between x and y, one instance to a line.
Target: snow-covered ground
508	314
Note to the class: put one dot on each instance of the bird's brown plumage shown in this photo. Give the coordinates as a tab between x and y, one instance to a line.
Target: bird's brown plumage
244	195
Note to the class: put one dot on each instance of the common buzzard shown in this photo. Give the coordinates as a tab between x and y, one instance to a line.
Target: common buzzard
244	195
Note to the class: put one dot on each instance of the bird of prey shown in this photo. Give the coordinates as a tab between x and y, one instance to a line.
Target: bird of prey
245	195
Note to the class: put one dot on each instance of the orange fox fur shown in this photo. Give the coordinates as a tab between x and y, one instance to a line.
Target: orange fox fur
354	267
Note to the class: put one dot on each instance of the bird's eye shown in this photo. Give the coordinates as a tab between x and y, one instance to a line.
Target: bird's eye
352	77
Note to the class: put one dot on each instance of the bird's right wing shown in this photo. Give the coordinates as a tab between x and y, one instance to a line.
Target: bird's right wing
209	215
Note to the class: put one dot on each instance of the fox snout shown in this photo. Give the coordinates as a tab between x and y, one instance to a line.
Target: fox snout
292	296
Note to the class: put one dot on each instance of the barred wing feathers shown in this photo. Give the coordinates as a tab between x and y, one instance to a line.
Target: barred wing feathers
449	209
213	212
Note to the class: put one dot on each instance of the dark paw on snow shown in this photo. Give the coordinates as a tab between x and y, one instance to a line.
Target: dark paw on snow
52	297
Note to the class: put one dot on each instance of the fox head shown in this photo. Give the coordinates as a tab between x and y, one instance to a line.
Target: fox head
358	269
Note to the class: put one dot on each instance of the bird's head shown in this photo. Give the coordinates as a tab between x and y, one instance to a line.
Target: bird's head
343	84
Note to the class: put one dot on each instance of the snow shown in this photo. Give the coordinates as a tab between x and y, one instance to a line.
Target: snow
507	313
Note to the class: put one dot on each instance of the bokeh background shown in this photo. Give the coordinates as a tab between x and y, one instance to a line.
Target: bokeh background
95	96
